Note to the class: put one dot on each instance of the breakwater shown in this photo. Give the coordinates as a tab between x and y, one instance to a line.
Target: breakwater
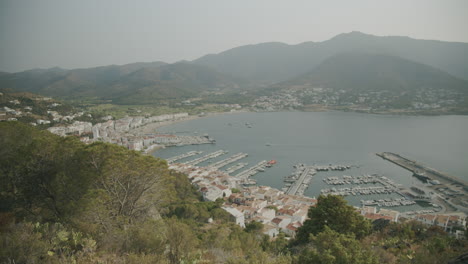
421	170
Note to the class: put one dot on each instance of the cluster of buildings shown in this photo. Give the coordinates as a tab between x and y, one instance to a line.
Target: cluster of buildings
373	100
15	109
121	132
275	209
277	101
280	212
452	223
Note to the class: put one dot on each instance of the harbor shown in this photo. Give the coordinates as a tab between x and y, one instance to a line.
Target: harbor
358	190
389	202
244	176
299	181
439	187
364	179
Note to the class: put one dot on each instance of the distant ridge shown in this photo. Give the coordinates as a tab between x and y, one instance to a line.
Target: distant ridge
361	72
261	65
129	84
275	62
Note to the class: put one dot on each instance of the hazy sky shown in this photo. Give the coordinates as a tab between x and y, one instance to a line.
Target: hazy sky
86	33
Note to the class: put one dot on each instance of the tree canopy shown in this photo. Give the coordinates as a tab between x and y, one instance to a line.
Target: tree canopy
335	213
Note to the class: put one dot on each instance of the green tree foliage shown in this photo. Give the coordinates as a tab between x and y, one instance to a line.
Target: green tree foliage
41	175
333	212
331	247
44	243
254	227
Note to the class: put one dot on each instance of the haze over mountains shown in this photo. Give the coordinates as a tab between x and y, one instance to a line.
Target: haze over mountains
347	61
274	62
360	72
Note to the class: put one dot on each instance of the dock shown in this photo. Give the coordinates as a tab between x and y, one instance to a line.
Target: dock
229	160
183	156
302	182
236	167
246	174
360	180
206	157
359	190
388	202
297	183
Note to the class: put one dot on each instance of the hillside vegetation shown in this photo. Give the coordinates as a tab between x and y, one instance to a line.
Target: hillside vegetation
66	202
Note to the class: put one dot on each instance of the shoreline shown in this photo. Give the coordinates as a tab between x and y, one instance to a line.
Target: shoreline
152	127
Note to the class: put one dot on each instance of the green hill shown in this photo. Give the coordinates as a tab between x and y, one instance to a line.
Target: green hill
136	83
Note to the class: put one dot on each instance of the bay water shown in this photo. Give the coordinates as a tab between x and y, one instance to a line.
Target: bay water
323	138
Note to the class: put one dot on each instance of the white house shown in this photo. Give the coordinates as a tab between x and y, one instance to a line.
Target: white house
236	215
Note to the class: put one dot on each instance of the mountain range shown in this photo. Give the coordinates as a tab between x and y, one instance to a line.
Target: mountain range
361	72
348	61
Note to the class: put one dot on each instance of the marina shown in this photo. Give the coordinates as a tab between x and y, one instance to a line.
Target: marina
388	202
311	150
359	190
297	183
360	180
206	157
183	156
229	160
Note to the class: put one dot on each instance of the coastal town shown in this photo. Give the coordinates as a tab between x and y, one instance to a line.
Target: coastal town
379	101
130	132
284	211
231	181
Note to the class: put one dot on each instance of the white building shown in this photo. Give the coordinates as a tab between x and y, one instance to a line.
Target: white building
237	215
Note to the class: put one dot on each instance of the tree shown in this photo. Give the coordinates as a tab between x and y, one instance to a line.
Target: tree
254	227
332	247
180	240
333	212
41	174
136	185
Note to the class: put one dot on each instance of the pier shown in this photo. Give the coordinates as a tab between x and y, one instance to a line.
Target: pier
236	167
183	156
206	157
364	179
246	174
388	202
448	191
297	183
301	184
359	190
420	170
229	160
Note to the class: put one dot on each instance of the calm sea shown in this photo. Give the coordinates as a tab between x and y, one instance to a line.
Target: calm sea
323	138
